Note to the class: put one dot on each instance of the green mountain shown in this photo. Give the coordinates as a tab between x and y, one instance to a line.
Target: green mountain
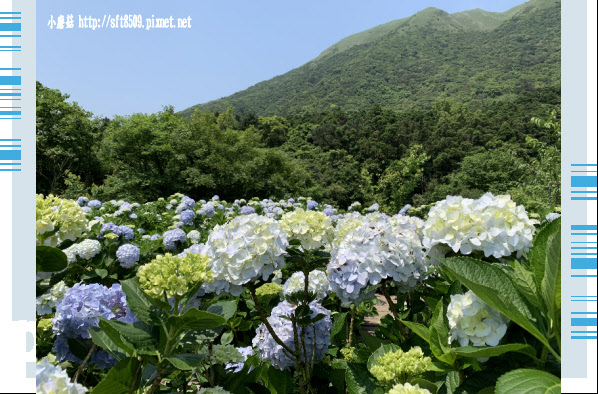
470	56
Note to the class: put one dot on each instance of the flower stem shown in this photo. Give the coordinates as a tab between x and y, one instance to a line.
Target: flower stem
84	362
393	309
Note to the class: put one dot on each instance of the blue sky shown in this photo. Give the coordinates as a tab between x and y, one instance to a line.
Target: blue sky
230	46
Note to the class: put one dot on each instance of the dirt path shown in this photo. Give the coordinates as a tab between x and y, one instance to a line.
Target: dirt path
372	322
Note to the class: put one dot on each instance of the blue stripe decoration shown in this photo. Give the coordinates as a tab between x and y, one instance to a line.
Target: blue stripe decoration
584	181
583	322
584	227
583	264
10	80
10	154
584	337
10	27
10	113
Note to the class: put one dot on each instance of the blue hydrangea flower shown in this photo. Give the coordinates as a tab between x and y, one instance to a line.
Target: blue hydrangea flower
122	231
291	200
188	201
246	210
269	350
133	216
216	198
171	238
127	255
187	216
155	237
95	204
311	204
82	201
207	209
328	211
374	207
86	209
78	311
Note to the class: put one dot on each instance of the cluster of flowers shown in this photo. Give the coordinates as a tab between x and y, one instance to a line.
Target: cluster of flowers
79	309
46	302
243	250
312	229
58	220
268	349
399	366
317	283
495	225
173	275
374	248
50	379
472	320
87	250
408	388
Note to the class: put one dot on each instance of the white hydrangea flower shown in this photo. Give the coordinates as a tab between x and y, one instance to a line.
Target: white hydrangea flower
47	301
71	253
495	225
552	216
88	249
318	284
277	278
407	388
472	320
374	251
243	250
412	221
313	229
50	379
194	236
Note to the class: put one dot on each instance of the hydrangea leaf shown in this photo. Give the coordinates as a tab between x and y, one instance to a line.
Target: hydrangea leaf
120	378
496	289
358	380
49	259
195	319
493	351
105	341
141	341
280	381
452	382
148	310
422	331
528	381
186	362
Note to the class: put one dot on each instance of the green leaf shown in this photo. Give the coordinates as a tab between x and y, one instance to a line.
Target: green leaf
358	379
103	340
49	259
439	336
141	341
496	289
425	384
147	309
102	273
280	382
195	319
226	309
452	382
489	351
120	378
419	329
381	351
523	280
372	342
551	283
227	338
528	381
78	348
186	362
338	323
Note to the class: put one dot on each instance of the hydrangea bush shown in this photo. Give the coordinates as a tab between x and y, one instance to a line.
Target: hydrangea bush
209	291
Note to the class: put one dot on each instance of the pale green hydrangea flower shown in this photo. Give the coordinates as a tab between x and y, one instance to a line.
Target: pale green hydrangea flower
313	229
173	275
398	366
58	220
495	225
407	388
223	354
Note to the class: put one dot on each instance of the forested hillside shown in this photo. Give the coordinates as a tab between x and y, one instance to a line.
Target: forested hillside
472	57
373	155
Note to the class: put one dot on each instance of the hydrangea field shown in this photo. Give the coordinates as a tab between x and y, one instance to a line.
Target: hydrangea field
209	296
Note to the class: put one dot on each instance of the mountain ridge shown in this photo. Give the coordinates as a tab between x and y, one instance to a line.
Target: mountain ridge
339	74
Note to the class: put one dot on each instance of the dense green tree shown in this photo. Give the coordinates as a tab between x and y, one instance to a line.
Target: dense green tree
66	139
